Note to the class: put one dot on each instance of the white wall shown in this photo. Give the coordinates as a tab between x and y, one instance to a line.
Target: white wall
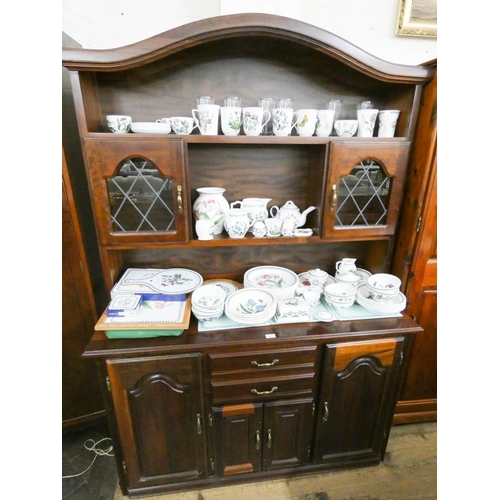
369	24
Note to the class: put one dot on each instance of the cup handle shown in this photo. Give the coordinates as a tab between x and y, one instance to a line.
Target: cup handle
196	121
271	211
294	124
337	265
268	118
234	203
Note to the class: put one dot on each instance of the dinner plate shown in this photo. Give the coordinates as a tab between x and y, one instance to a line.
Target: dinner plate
229	286
271	278
250	303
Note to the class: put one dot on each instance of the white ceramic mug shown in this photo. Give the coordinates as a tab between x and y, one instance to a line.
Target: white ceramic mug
324	125
236	222
165	121
306	121
182	125
254	120
204	229
283	121
206	118
273	227
366	122
119	124
288	228
387	121
230	117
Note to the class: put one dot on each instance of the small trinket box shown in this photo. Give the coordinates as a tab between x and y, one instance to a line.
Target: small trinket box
292	307
124	305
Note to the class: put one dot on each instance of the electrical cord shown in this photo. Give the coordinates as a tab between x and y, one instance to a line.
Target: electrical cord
97	451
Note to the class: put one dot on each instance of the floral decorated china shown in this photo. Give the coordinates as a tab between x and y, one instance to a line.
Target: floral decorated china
306	282
169	281
272	278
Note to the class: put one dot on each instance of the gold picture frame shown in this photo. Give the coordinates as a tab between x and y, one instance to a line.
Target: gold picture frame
417	18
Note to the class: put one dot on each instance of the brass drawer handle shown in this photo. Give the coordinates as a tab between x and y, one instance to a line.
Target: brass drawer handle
255	391
269	438
257	440
265	365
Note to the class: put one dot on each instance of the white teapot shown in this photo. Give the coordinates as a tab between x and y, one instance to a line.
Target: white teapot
290	211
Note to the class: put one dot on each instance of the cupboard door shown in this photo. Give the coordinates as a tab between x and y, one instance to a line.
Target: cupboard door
358	395
158	408
364	189
238	438
139	189
288	428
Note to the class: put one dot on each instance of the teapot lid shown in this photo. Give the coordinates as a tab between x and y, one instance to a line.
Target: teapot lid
289	204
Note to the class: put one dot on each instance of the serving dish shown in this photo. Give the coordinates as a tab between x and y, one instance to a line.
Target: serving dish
150	128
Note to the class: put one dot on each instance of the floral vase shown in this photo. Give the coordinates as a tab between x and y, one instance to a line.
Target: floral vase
211	205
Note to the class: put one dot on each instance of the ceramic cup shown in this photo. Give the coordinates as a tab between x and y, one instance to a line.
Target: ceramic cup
366	122
288	228
230	117
324	125
204	229
306	121
254	120
236	222
206	118
346	128
273	227
317	277
165	121
119	124
283	121
387	121
259	229
182	125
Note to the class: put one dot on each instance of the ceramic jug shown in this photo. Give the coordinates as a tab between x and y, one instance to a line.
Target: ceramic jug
256	208
290	211
346	266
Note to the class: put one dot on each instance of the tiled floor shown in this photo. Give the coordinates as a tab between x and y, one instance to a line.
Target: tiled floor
99	482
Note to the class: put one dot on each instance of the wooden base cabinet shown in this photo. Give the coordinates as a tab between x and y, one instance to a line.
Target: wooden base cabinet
231	406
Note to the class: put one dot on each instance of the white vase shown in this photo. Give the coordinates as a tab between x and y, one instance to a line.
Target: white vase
211	205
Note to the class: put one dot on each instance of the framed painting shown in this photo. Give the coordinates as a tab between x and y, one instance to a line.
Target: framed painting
417	18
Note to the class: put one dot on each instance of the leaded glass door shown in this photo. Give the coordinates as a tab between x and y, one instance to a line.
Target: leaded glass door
364	189
138	189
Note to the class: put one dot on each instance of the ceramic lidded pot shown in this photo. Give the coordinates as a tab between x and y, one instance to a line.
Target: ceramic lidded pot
211	205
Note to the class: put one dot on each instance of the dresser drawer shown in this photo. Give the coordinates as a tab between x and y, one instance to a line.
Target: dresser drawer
262	360
258	389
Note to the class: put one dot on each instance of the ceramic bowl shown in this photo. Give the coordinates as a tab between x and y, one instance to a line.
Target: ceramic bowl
150	128
340	295
346	128
208	317
383	287
208	298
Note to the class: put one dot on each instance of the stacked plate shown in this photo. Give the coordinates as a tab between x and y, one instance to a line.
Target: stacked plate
278	281
250	306
394	305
